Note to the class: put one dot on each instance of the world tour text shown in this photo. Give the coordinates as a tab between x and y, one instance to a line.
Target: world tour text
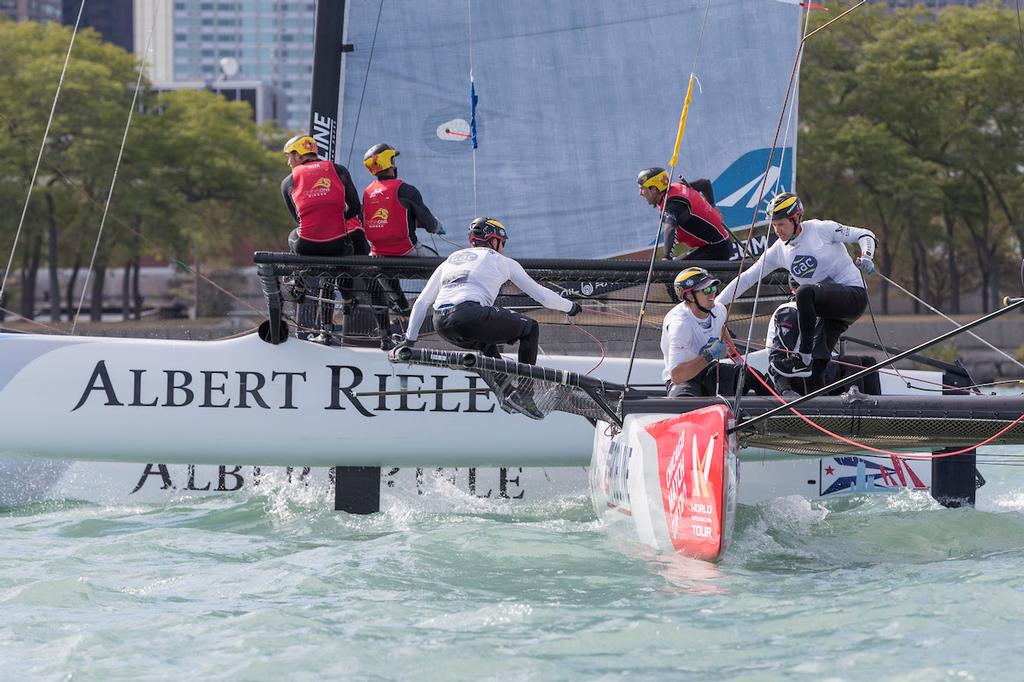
278	390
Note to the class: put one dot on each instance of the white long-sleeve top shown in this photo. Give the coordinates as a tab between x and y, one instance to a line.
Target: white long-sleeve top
477	274
815	255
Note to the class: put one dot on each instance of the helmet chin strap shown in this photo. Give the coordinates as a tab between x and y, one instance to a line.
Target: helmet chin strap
693	300
796	230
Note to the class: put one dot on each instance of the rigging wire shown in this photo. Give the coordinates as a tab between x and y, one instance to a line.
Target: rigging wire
42	148
138	233
469	10
771	154
366	77
787	112
117	165
864	446
954	322
671	171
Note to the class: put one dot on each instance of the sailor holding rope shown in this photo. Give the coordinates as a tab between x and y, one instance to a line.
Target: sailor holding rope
831	289
694	339
689	215
462	291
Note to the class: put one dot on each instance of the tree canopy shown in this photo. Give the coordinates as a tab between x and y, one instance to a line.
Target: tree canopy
197	178
912	123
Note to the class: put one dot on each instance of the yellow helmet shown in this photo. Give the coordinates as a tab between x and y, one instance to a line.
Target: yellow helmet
379	158
785	205
691	279
653	177
301	145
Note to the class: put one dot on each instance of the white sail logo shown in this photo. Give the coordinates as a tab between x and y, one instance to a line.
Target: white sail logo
455	130
746	195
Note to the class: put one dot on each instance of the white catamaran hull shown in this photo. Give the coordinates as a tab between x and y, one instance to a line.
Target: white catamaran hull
27	481
244	401
153	421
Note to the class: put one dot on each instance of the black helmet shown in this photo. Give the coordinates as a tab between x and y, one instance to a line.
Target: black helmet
379	158
785	205
483	231
653	177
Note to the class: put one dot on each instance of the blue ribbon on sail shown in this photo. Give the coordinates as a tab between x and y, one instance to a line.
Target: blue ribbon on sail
473	99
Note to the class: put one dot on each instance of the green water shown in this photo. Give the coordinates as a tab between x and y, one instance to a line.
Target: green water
277	586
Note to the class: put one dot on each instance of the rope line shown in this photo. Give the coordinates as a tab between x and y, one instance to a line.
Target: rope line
671	171
863	446
366	77
42	148
117	166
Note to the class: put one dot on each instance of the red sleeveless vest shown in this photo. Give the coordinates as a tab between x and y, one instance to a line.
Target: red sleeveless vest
319	197
700	210
385	220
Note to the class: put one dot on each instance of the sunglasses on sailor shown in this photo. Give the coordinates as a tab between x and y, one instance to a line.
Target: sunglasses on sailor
713	289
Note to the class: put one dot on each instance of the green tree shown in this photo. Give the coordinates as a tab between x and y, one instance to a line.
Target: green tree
911	117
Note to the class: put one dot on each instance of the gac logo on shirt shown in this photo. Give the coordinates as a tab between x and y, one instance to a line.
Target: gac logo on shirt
380	214
464	257
803	266
322	183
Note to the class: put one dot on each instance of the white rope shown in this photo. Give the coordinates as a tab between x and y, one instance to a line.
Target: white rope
782	157
42	147
951	320
117	166
664	205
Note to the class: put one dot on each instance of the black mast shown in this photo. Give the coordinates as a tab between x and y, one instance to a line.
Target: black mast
326	86
356	489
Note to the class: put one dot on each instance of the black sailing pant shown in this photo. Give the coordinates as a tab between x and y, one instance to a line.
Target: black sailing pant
836	305
473	326
720	251
720	378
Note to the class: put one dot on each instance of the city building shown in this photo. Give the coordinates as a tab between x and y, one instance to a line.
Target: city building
32	10
112	19
261	41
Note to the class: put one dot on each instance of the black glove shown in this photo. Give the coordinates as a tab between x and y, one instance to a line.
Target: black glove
402	351
575	310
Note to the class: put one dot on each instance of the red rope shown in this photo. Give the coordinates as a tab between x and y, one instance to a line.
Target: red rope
863	446
596	340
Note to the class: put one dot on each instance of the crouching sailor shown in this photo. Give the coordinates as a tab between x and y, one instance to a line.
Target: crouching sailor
831	285
462	292
693	340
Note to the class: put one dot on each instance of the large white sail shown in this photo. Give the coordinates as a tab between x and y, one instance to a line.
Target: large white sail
574	99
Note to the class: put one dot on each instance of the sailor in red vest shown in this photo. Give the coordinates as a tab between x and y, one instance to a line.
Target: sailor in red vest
689	216
393	209
323	201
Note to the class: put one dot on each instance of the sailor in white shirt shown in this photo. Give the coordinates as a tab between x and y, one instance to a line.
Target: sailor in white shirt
831	284
462	292
693	339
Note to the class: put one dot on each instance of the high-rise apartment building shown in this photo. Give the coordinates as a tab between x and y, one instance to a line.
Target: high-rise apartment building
269	41
32	10
112	19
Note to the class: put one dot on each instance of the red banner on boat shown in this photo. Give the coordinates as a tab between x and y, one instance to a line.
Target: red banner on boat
691	470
